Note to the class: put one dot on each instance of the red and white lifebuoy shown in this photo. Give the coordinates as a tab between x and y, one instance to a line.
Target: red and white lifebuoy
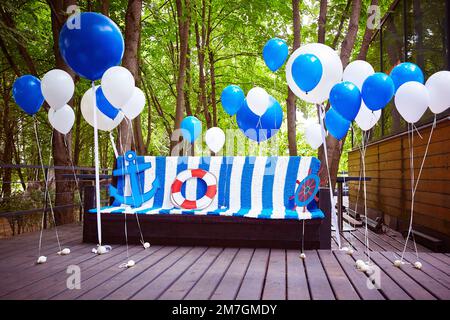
211	183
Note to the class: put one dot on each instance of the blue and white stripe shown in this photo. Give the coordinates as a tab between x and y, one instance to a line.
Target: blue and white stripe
251	187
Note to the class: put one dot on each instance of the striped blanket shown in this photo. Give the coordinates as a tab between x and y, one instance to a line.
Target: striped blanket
252	187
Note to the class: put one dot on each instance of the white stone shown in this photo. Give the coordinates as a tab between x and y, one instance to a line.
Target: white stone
101	250
398	263
41	259
64	252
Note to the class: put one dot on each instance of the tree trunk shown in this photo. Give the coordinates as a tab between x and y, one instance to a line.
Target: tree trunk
187	91
212	72
10	24
368	33
341	25
212	68
104	7
290	101
61	151
183	17
334	147
322	21
8	126
200	37
131	62
77	149
9	58
352	32
418	27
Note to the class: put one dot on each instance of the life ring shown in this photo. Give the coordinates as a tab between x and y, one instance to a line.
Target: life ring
211	191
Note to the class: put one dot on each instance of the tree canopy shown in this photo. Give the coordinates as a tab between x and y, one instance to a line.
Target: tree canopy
187	52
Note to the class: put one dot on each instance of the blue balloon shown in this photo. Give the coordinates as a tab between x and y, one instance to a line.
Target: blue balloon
345	99
260	128
191	128
307	71
405	72
275	53
104	105
336	124
27	94
377	91
232	98
92	47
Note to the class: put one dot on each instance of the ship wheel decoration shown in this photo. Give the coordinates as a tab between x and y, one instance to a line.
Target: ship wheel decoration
306	190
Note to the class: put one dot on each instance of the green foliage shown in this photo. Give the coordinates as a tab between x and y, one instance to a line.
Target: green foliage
239	30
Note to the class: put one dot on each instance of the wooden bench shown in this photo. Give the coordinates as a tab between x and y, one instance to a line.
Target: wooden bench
178	228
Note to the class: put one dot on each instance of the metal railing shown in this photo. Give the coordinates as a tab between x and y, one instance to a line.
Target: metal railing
26	193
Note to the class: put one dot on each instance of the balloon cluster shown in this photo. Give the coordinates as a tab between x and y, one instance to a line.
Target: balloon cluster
93	52
116	98
259	115
314	73
56	88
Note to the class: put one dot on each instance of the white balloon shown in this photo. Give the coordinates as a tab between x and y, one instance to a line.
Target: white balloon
215	139
366	118
57	88
135	105
62	119
332	72
117	86
357	72
313	135
258	100
411	101
438	86
103	122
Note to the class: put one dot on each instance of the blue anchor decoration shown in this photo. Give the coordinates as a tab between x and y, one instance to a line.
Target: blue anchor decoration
133	169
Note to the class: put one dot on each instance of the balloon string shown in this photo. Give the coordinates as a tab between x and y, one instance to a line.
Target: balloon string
415	185
126	234
303	235
74	174
97	171
141	189
411	170
260	131
357	196
124	170
333	209
426	152
46	192
366	230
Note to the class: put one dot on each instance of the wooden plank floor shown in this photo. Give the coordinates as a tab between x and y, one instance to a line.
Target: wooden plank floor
168	272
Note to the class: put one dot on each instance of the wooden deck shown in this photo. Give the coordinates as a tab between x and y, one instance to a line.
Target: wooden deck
165	272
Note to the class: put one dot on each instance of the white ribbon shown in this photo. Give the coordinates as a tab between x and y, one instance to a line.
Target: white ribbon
334	219
97	171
